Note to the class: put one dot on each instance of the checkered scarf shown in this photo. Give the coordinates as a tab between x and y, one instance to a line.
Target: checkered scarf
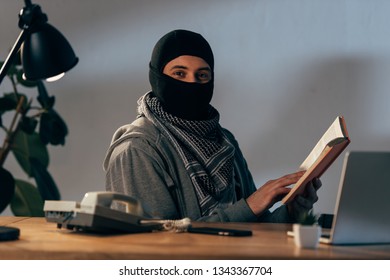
206	152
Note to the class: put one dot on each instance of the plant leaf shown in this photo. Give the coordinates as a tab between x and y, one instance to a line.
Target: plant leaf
28	124
13	70
27	201
52	128
46	185
27	146
7	188
13	99
307	218
23	82
7	103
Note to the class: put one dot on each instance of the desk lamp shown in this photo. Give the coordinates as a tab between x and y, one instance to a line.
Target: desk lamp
45	54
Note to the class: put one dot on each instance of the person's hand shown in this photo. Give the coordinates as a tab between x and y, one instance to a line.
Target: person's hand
303	203
271	192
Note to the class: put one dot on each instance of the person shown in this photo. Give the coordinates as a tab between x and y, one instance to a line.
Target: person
177	159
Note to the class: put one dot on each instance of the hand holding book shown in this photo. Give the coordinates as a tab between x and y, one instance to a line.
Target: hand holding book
325	152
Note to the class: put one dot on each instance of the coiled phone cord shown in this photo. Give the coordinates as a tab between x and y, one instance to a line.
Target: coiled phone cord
171	225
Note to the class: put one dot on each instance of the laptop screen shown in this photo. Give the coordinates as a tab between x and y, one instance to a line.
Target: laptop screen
362	211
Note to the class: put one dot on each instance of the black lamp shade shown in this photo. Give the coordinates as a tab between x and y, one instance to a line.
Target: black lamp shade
46	53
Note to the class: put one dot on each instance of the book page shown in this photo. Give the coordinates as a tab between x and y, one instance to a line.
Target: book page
334	131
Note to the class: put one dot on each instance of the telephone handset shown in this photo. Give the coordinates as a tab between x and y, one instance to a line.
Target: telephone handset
106	199
95	213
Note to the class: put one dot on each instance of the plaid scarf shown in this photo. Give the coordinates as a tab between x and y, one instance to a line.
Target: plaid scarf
206	152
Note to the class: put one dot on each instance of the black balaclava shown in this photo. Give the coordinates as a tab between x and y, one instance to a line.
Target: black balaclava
185	100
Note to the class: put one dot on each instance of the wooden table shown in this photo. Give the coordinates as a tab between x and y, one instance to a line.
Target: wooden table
42	240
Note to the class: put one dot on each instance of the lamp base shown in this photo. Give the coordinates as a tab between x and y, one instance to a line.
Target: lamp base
9	233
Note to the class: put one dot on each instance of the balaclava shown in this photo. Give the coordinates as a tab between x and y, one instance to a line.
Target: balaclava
185	100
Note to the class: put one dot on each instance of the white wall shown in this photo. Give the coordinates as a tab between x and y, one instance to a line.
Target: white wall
284	70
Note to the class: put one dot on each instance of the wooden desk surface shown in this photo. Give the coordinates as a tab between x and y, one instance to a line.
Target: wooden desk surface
42	240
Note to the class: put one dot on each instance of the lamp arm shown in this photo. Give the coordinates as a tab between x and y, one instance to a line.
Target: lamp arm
30	16
12	54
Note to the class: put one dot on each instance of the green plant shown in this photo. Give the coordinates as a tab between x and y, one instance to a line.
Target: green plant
308	218
28	144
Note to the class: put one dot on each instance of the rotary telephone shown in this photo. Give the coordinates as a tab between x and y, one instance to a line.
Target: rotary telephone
96	214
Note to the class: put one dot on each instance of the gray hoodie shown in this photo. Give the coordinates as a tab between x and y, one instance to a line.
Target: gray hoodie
141	162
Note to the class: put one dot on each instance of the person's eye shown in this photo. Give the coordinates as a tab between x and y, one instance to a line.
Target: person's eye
179	74
204	76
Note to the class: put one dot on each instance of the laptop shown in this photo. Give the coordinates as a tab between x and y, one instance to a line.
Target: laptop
362	210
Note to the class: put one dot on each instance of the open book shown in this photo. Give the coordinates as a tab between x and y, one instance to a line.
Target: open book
328	148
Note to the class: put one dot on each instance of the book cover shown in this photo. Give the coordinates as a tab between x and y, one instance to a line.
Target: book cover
326	151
